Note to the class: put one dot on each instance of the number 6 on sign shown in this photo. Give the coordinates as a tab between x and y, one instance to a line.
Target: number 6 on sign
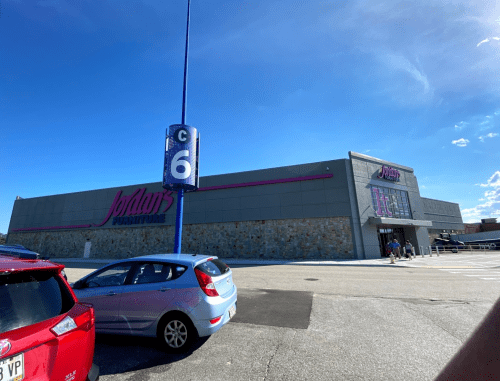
182	150
177	162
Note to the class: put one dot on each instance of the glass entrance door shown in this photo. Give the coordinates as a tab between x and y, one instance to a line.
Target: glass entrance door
386	235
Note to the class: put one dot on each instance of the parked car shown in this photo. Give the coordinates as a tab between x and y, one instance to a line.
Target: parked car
174	297
22	252
19	251
45	333
448	244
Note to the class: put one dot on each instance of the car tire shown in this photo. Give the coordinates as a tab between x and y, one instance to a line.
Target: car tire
454	250
176	333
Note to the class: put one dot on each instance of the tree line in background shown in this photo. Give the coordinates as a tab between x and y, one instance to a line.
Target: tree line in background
3	237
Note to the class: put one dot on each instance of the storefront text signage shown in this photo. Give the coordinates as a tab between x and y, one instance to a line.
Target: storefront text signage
389	173
140	206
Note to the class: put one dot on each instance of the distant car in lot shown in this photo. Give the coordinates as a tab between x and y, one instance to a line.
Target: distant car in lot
19	251
174	297
40	323
491	244
448	244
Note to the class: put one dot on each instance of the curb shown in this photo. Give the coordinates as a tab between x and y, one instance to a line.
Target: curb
344	262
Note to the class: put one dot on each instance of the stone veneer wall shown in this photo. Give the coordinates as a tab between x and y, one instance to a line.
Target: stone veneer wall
319	238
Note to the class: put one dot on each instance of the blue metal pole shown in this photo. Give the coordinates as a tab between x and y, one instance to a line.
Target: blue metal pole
184	89
180	193
178	221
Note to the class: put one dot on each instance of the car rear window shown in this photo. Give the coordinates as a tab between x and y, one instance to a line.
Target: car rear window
213	267
31	297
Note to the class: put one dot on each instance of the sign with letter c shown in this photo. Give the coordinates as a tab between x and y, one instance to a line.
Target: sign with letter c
182	152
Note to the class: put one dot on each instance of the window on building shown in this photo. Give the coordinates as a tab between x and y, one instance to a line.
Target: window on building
389	202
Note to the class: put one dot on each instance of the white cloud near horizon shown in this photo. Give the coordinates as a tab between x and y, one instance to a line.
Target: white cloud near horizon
460	142
490	208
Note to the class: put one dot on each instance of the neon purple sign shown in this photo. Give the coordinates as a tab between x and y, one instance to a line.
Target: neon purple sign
138	203
389	173
381	199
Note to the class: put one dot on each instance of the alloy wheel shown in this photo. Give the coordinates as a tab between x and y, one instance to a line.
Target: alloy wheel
175	334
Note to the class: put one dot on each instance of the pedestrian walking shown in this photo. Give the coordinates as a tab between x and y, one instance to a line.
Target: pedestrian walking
396	248
388	249
409	250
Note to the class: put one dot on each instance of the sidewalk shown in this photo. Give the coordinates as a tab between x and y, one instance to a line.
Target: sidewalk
418	260
255	262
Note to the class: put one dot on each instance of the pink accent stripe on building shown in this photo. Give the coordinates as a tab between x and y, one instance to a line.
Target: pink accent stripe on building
255	183
241	185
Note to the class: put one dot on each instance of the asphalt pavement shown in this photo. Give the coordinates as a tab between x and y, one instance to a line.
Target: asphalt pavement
342	320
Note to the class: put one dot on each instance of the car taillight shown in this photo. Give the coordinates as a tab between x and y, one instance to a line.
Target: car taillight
81	316
216	320
66	325
88	320
206	283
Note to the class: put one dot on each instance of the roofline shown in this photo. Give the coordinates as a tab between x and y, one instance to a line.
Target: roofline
378	161
201	177
435	199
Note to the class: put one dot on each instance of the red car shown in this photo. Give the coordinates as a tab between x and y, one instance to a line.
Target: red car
45	333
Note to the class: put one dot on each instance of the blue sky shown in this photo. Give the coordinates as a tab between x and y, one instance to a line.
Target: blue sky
87	89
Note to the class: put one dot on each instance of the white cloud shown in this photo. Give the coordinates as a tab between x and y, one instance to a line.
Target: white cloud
491	207
460	142
493	181
402	63
460	125
490	135
484	41
488	40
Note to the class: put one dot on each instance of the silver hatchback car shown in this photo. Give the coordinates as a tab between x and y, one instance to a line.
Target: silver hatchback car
175	297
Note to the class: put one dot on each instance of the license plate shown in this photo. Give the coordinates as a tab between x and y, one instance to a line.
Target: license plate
12	369
232	311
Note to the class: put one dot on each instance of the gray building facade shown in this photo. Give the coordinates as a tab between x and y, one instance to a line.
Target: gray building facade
345	208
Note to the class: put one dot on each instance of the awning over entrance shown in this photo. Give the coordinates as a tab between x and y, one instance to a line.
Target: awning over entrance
398	222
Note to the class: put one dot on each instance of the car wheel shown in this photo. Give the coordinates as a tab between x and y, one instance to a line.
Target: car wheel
176	333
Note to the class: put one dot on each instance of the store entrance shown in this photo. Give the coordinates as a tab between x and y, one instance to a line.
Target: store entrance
386	235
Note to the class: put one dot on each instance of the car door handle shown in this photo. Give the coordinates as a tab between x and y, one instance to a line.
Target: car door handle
111	293
163	289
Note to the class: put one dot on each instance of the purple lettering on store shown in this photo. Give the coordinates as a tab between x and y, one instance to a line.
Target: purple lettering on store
389	173
136	203
119	206
117	197
385	198
143	204
149	205
379	207
381	198
125	210
167	197
158	198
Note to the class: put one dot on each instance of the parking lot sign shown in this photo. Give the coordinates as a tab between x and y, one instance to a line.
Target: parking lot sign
182	146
